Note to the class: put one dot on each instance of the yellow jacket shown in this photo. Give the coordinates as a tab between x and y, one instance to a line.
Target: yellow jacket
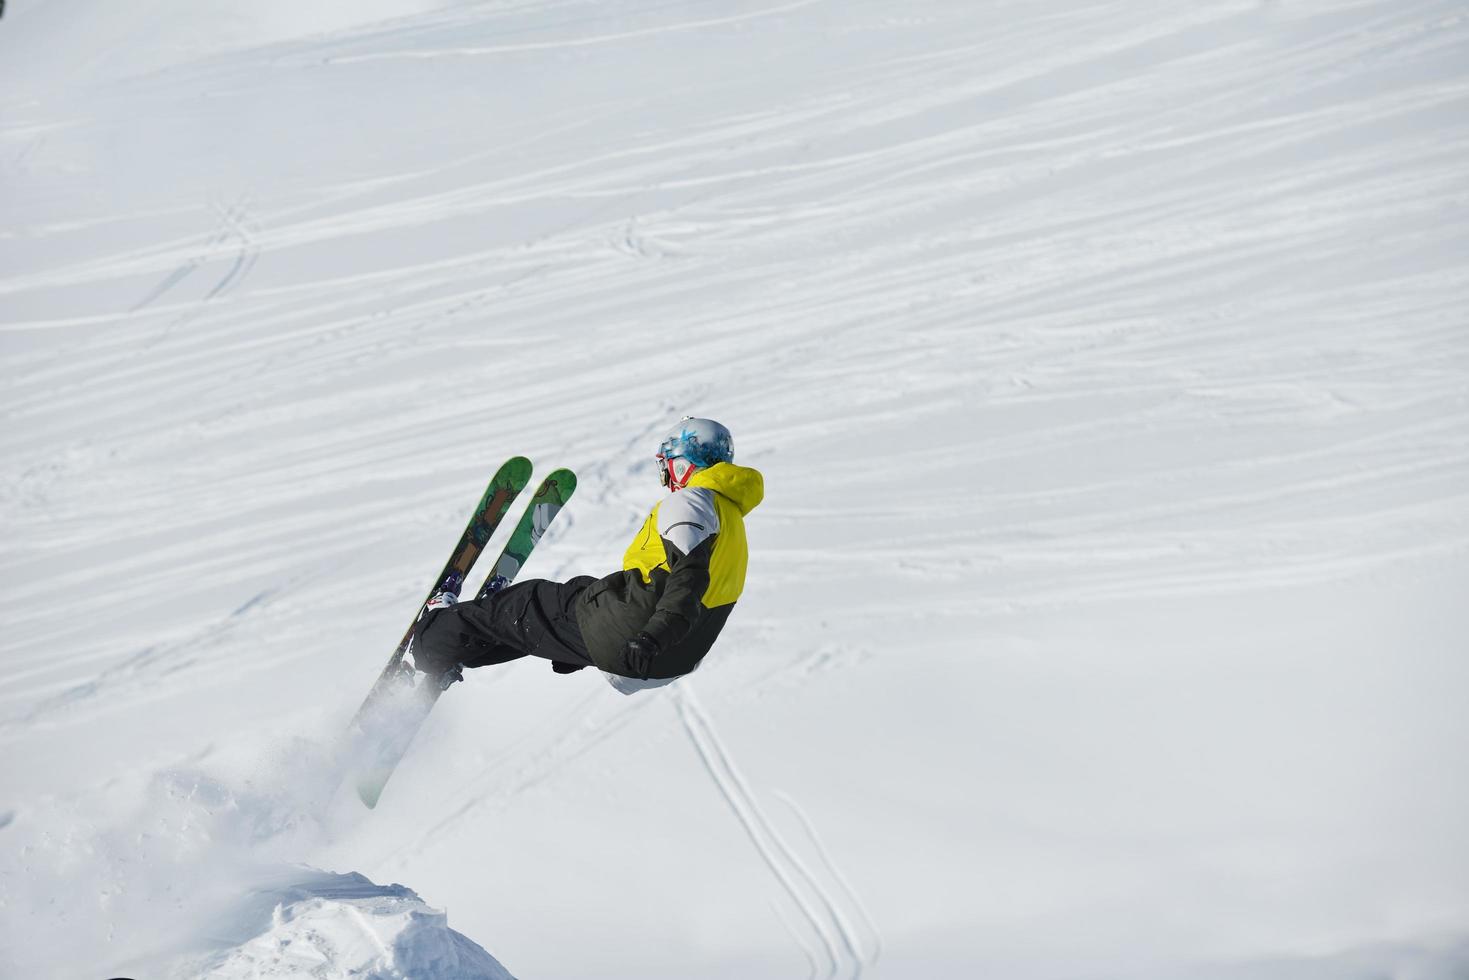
681	575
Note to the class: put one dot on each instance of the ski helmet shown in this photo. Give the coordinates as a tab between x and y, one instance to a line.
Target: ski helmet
693	444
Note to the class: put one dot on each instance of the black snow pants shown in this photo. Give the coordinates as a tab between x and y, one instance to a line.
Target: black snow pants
536	618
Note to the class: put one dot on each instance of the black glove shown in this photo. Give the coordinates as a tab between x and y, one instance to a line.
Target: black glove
642	650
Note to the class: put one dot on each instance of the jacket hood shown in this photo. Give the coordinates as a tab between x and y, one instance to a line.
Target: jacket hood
744	487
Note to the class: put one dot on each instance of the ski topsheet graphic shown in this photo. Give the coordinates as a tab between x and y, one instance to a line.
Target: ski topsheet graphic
553	493
403	698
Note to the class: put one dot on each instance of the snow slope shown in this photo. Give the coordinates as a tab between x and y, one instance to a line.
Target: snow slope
1107	363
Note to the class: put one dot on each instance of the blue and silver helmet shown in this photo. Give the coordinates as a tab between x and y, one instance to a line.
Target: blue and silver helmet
693	444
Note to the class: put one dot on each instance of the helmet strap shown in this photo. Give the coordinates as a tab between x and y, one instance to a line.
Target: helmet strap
676	472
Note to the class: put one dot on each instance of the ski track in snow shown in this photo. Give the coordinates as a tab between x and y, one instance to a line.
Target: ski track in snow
848	893
435	53
234	233
824	908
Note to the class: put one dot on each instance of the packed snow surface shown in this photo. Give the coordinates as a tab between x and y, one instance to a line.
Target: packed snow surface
1107	363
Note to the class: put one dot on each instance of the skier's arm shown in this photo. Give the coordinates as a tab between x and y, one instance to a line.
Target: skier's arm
688	580
688	524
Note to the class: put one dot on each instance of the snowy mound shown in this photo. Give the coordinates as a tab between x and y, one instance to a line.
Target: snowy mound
329	925
191	874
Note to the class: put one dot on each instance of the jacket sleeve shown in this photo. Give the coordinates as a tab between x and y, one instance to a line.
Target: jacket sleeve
679	606
688	524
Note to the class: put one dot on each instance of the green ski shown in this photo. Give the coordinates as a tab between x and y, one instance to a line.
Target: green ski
553	493
504	487
395	734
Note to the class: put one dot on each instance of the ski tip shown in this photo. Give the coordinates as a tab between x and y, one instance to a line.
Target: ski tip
514	472
561	482
369	793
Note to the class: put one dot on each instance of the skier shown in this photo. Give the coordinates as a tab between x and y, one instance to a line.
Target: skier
643	626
